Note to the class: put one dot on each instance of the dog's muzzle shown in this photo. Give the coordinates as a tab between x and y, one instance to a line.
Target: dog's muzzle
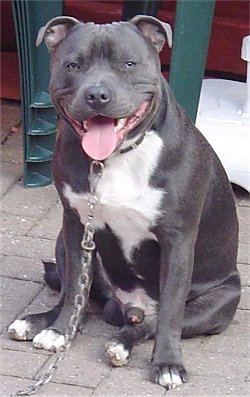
101	136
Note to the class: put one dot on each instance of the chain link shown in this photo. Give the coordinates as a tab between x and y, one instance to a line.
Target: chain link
84	283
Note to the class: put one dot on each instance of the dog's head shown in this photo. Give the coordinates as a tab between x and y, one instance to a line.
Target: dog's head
105	79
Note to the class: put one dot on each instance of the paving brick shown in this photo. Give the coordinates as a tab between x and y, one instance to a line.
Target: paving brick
244	270
244	253
12	150
232	340
14	139
49	225
15	296
214	364
28	202
14	224
44	300
126	381
96	326
141	356
10	173
27	246
10	385
21	364
21	267
12	154
202	386
84	364
245	301
244	223
10	117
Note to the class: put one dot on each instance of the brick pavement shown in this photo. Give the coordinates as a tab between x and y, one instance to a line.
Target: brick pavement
30	220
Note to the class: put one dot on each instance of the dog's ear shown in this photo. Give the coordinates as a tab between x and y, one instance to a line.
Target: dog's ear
55	31
154	29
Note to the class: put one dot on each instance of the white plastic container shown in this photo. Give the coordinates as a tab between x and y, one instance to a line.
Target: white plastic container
224	119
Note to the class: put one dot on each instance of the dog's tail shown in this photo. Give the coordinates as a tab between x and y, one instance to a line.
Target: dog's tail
51	275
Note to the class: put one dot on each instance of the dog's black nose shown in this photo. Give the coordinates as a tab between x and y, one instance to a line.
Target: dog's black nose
97	95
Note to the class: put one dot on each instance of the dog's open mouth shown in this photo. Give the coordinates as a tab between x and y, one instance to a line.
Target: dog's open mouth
101	135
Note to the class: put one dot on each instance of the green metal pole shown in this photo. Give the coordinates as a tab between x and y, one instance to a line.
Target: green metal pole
191	38
39	116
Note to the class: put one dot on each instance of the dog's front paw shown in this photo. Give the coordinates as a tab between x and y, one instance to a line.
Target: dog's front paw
169	376
49	340
22	330
116	353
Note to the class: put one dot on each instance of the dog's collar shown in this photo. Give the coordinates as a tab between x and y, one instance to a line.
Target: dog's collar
133	145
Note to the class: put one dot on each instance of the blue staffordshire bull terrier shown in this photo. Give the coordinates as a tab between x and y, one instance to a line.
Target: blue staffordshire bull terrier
165	223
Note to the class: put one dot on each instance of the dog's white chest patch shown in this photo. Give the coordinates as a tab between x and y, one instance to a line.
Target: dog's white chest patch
126	201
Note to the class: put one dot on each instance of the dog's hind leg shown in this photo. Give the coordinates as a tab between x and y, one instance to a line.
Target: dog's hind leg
211	312
119	348
55	272
51	275
29	326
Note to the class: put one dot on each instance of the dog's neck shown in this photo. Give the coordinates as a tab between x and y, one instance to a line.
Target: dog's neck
133	145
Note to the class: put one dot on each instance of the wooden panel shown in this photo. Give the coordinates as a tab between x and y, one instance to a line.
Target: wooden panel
230	25
10	83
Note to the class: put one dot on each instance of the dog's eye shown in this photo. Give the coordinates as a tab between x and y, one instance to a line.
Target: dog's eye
73	66
130	64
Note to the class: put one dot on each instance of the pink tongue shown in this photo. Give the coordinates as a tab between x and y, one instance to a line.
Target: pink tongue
100	140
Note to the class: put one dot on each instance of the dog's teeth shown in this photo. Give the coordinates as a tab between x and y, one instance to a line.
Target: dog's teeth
120	124
85	125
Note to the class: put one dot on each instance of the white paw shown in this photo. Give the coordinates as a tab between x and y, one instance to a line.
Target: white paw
19	330
170	378
116	353
49	340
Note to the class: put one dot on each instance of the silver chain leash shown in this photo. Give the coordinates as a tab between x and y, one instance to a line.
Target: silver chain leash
84	283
